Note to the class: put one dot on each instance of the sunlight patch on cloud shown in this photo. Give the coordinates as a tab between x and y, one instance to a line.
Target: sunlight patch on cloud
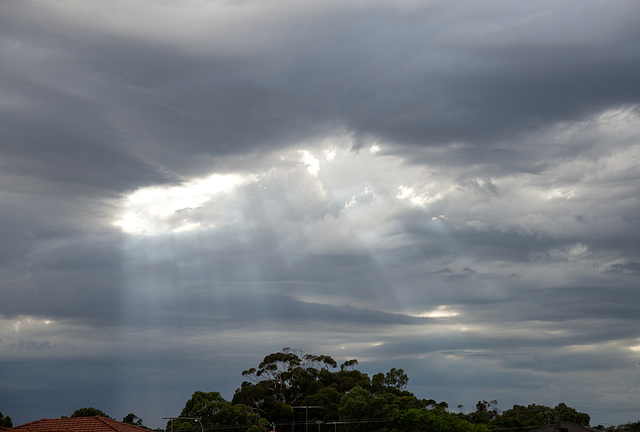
560	193
27	323
29	336
294	185
419	198
187	227
330	154
442	311
158	209
312	164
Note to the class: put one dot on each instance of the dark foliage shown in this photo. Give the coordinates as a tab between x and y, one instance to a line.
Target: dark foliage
5	421
88	412
293	392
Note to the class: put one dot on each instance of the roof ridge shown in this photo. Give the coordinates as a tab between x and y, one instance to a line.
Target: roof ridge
118	425
102	420
33	421
109	423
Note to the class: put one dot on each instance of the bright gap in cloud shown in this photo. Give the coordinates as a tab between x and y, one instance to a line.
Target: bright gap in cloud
31	336
312	183
442	311
159	209
26	322
325	191
312	164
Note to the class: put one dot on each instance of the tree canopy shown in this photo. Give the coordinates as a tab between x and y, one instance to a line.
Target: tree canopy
88	412
532	416
132	419
5	421
290	391
209	410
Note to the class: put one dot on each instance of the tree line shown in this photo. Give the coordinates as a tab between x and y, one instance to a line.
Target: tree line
294	392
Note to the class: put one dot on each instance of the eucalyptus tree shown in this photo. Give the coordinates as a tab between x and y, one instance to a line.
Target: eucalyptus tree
285	380
209	410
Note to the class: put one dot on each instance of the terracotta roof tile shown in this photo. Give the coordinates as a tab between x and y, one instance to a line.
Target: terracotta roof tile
41	430
79	424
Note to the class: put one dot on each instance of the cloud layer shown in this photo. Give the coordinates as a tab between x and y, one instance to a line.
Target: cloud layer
443	187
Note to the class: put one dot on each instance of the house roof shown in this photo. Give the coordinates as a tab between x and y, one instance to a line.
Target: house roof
570	427
79	424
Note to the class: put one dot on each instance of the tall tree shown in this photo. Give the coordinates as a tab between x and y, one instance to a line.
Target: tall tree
394	380
212	411
485	412
278	373
562	412
284	380
288	380
531	416
356	406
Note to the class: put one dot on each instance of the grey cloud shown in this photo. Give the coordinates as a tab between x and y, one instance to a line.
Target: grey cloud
70	133
503	189
79	276
631	267
363	70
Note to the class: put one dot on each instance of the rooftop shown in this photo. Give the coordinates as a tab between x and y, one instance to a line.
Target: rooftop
79	424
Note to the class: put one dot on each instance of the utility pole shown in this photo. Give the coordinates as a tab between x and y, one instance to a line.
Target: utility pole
335	425
306	414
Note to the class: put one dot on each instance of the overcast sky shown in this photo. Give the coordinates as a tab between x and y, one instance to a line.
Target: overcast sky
447	187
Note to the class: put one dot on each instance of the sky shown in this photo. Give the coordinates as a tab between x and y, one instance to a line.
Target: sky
447	187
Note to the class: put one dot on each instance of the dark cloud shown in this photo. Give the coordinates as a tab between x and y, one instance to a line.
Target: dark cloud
66	140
